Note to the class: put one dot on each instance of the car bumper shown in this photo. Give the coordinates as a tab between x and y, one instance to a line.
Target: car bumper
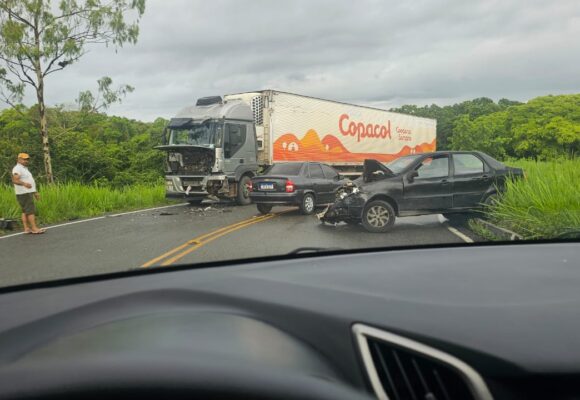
348	209
276	198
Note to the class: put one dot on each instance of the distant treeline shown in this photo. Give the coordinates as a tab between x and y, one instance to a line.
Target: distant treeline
544	128
85	147
115	151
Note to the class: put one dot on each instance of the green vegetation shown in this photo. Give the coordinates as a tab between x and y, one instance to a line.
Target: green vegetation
481	230
70	201
86	147
544	205
38	38
544	128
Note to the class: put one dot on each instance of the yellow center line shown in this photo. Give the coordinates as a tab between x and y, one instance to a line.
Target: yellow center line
197	242
211	239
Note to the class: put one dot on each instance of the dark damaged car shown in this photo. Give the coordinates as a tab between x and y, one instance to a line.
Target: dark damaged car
448	183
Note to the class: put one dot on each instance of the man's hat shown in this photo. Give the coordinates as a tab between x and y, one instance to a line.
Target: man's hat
23	155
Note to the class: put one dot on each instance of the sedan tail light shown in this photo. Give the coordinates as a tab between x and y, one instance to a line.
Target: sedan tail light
289	186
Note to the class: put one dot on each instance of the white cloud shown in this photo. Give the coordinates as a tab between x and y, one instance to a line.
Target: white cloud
384	53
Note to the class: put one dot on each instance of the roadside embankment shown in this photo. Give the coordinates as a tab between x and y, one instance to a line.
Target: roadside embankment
544	205
71	201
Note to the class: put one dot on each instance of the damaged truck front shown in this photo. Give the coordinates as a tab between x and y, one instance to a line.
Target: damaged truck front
211	151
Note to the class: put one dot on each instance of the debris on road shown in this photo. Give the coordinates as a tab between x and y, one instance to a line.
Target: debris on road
7	224
206	211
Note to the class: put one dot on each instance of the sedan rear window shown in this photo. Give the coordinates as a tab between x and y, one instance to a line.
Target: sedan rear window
292	169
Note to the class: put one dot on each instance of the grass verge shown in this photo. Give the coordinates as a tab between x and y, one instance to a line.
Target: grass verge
544	205
71	201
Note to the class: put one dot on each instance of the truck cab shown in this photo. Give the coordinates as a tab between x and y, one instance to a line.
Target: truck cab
211	151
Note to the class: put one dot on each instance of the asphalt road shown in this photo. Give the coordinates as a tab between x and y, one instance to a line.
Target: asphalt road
185	234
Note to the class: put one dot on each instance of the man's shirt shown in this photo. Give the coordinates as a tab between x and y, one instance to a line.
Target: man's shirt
26	177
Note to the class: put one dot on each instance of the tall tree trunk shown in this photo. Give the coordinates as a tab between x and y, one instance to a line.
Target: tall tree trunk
41	106
44	131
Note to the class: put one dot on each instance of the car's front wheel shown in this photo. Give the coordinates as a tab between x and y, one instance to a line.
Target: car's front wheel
308	204
264	208
378	216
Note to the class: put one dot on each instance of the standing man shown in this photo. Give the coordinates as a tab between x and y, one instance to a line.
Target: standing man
25	189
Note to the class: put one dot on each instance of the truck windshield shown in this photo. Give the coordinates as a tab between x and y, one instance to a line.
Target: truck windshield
204	134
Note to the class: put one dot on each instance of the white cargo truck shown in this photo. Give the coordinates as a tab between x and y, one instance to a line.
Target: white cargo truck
216	146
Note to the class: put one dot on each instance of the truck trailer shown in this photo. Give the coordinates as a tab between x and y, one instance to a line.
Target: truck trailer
215	147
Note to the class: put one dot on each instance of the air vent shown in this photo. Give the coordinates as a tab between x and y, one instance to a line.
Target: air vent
401	369
257	106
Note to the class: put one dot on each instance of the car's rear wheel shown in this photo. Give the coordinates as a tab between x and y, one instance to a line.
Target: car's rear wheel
378	216
264	208
491	200
308	204
243	197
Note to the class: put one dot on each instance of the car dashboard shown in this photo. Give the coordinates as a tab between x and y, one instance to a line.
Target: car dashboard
476	322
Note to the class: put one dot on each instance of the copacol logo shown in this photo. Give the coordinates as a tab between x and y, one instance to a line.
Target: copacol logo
362	131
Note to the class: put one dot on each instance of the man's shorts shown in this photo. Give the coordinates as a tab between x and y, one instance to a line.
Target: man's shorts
26	202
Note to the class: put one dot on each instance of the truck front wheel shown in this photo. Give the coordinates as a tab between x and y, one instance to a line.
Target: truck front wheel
243	197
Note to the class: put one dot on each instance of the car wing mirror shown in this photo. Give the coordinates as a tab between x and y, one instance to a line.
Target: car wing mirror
411	177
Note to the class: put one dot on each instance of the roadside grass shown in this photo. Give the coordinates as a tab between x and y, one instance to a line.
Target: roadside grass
481	230
544	205
71	201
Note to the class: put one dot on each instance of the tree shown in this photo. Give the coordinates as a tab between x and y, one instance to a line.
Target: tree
544	128
38	39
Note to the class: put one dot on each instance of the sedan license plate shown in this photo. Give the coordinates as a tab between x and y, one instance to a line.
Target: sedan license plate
266	186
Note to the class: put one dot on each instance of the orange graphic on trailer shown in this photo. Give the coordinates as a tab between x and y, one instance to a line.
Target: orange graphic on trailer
330	149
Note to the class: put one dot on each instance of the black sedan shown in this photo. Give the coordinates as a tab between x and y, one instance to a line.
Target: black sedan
306	184
429	183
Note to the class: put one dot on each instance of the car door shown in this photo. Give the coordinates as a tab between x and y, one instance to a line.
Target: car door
318	182
332	183
428	186
472	178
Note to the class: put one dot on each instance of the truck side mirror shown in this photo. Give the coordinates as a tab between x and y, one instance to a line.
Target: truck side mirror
411	177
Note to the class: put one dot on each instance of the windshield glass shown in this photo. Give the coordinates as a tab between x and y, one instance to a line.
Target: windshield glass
145	147
204	134
402	163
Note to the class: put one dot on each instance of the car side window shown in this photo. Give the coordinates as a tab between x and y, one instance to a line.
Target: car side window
434	167
466	164
329	172
316	171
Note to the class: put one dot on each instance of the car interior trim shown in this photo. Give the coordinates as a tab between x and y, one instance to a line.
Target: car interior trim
471	377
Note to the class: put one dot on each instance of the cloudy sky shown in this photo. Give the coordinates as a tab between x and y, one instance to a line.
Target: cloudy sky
374	52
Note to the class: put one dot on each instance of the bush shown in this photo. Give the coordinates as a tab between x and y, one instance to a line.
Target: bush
69	201
546	204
